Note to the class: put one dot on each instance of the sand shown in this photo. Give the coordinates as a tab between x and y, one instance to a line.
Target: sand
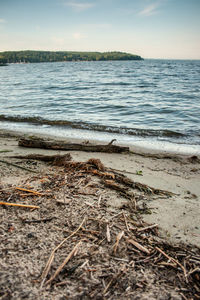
70	198
177	217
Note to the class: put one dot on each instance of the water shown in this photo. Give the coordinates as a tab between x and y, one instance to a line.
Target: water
152	103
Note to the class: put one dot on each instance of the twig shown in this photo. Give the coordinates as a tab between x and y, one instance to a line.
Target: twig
119	236
69	256
108	234
174	260
114	278
99	200
51	258
147	228
38	221
14	165
125	221
47	268
19	205
183	296
139	246
115	216
123	171
28	191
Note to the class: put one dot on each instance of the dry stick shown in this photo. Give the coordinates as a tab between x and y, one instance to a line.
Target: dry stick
148	227
99	200
125	220
114	278
123	171
119	236
69	256
51	258
28	191
108	234
19	205
139	246
38	221
183	296
14	165
174	260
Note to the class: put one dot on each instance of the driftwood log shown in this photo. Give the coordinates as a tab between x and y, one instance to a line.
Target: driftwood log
37	143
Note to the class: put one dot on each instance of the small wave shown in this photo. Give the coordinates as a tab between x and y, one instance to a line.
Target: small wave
116	83
94	127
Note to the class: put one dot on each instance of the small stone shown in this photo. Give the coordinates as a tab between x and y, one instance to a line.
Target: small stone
30	235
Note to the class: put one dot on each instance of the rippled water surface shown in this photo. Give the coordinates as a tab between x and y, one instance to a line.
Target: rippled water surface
150	98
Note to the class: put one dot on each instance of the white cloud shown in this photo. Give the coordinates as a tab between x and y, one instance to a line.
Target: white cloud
149	10
79	6
2	21
78	36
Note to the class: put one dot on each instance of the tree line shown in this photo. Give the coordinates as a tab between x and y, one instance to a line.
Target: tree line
30	56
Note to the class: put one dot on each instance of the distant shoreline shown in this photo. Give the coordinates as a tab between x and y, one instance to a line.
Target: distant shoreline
30	56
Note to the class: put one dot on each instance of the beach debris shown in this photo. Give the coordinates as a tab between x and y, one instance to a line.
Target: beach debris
39	143
108	233
147	228
17	166
55	159
139	173
93	249
28	191
37	221
69	256
96	167
174	261
118	238
51	258
19	205
139	246
114	279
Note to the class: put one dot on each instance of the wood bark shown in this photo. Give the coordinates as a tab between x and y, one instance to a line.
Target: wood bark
33	143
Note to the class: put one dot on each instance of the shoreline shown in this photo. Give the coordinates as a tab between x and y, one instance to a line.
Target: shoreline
138	145
177	217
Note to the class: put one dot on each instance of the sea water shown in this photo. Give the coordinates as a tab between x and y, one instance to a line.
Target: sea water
149	103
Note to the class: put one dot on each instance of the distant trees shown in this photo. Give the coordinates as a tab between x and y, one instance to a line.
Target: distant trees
30	56
3	60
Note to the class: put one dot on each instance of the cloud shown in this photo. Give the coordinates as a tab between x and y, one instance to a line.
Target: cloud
2	21
78	36
149	10
79	6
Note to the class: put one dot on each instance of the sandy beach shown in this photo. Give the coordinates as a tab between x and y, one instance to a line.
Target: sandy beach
176	217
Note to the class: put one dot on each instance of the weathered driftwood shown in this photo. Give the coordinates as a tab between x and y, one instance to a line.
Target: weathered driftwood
109	148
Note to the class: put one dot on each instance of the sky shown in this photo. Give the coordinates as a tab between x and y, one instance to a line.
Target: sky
166	29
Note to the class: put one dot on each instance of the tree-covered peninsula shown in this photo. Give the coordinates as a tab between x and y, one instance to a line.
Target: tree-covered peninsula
30	56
